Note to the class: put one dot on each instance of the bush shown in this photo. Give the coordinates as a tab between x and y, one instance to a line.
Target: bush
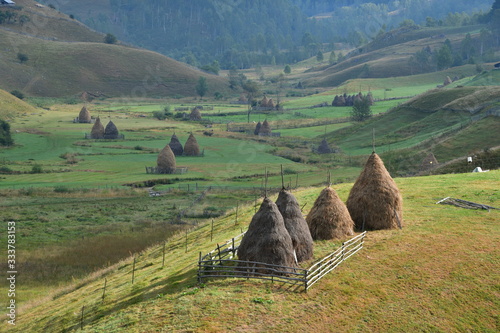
22	57
160	115
110	39
17	93
37	168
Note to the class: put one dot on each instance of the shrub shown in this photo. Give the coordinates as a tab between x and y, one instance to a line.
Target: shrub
37	168
17	93
22	57
110	39
160	115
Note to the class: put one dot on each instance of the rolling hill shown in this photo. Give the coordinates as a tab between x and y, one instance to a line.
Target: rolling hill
10	106
66	59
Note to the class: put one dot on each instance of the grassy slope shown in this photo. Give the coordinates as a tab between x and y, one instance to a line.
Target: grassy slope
437	274
10	106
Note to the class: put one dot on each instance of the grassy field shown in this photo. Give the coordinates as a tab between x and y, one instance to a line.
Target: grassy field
436	274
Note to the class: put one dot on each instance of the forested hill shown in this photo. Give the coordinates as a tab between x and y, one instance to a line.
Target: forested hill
245	33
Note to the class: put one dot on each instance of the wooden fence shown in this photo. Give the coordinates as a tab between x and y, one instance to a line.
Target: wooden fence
220	263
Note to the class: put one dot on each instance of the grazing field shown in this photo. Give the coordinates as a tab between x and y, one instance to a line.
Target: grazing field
438	273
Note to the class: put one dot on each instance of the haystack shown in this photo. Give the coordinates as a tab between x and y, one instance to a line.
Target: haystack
191	147
324	148
329	217
296	225
429	162
257	128
270	103
166	161
263	102
447	81
84	116
375	201
176	145
111	132
265	129
267	239
97	131
195	114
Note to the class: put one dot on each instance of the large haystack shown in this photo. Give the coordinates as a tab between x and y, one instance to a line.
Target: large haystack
97	131
166	161
329	217
296	225
176	145
267	239
375	201
257	128
191	147
324	148
111	132
84	116
265	129
195	114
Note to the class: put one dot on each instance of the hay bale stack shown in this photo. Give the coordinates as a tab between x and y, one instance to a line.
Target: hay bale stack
84	116
265	129
324	148
375	201
267	239
191	147
429	162
329	217
257	128
296	225
111	132
176	145
195	114
166	161
97	131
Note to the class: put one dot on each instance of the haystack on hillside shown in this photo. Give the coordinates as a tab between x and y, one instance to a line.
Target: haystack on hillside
324	148
111	132
265	129
195	115
257	128
97	131
84	116
296	225
166	161
375	201
176	146
267	239
270	103
191	147
329	217
429	162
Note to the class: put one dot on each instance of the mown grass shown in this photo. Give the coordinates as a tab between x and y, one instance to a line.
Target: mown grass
436	274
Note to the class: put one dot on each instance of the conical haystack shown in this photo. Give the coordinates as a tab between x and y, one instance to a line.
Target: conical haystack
257	128
265	129
191	147
375	201
195	115
267	239
329	217
166	161
111	132
97	131
176	145
324	148
296	225
84	116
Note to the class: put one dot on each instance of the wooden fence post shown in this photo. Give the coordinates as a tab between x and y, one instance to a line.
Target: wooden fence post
81	317
212	230
133	271
163	259
104	289
186	241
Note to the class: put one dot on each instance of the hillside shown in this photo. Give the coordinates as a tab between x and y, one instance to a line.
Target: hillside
437	274
10	106
66	59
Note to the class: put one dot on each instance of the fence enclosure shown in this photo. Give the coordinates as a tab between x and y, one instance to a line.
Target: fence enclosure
220	263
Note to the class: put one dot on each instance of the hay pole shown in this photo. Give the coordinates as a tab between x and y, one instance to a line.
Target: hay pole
236	217
282	179
212	231
104	289
163	254
133	271
82	316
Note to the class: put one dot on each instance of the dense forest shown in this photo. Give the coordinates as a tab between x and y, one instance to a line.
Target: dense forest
243	33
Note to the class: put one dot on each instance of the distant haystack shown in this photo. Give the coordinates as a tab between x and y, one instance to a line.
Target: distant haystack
166	161
176	146
329	217
447	81
97	131
296	225
195	114
375	201
324	148
265	129
111	132
257	128
191	147
263	102
267	239
270	103
430	162
84	116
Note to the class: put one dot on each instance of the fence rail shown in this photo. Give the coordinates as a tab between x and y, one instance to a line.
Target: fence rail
219	263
